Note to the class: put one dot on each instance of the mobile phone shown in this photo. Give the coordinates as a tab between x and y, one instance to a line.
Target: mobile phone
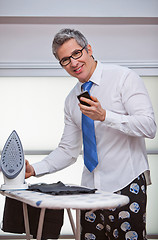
86	95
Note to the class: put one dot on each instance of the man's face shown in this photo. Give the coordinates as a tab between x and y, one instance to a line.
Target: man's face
81	68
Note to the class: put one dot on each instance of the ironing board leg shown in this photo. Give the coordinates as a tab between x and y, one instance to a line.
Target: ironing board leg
71	221
40	224
78	224
26	221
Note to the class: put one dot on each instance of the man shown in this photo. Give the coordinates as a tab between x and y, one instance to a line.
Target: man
123	117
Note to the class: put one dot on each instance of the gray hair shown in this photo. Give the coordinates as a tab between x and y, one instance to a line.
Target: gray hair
66	34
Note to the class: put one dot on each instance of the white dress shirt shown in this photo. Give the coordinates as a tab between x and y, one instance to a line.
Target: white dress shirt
120	138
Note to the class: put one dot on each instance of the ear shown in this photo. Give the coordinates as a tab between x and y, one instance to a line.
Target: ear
90	52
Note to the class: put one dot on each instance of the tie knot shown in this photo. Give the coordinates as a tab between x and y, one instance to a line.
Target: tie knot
87	86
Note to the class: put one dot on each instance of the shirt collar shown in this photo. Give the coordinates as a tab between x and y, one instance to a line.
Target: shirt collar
96	76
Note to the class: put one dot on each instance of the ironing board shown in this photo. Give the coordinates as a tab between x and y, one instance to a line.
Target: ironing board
97	200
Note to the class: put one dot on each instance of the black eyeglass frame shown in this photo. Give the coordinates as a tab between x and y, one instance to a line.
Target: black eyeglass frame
80	50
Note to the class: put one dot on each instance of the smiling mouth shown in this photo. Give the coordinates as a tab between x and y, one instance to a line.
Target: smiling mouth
78	70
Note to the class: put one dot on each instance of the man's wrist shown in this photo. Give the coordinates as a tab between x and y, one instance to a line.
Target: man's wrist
103	115
32	171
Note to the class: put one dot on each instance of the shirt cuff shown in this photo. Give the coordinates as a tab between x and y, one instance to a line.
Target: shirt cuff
40	168
114	118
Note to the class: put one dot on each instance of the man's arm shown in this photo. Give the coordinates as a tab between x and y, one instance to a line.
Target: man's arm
138	121
65	154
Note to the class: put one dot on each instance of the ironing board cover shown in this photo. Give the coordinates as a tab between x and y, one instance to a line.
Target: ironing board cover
97	200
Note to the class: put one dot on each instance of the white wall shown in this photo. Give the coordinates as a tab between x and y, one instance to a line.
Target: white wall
26	48
88	8
124	32
32	42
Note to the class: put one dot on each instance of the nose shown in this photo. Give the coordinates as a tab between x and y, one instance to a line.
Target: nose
74	62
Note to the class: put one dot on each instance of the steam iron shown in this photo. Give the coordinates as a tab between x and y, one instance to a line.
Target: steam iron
13	164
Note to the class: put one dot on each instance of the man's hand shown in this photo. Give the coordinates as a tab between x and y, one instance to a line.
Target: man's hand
95	111
29	170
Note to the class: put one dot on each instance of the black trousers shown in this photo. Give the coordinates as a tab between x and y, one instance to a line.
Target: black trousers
13	220
127	222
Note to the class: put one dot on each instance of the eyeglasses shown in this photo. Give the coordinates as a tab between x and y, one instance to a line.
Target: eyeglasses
75	55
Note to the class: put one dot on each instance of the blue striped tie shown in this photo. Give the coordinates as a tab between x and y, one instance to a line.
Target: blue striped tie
89	141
